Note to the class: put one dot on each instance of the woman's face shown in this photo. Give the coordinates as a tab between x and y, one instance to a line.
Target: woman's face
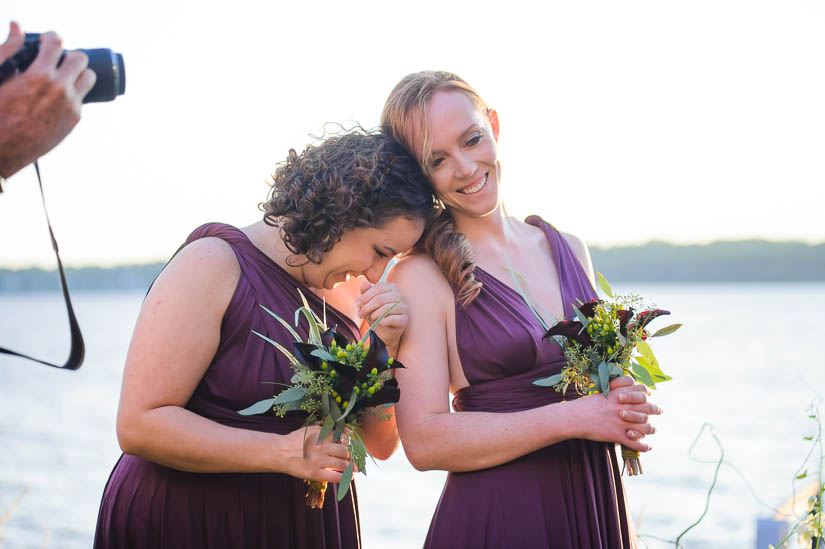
363	251
464	153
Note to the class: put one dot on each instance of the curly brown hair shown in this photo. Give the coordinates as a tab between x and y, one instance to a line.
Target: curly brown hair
352	180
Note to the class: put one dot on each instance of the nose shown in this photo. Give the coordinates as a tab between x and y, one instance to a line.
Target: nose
373	274
465	166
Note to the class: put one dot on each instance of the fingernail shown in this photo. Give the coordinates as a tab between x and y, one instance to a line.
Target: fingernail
625	413
621	398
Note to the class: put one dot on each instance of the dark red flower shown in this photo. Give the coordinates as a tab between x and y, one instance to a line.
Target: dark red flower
589	309
644	318
624	317
571	329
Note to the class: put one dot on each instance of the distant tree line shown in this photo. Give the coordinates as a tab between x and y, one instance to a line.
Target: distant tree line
744	260
749	260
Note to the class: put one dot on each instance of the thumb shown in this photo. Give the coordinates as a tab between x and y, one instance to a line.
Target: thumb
13	43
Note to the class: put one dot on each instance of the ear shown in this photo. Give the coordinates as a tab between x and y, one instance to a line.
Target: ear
492	116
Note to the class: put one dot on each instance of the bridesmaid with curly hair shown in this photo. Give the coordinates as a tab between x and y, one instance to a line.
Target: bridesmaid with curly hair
195	473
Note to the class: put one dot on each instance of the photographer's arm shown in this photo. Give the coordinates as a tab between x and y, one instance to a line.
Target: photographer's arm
174	342
40	106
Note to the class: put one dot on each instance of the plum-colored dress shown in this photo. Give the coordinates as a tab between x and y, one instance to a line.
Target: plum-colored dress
567	495
149	506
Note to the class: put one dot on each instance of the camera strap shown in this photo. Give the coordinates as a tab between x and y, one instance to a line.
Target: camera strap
78	350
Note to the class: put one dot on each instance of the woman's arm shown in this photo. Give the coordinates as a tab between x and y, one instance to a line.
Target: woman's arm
174	342
434	438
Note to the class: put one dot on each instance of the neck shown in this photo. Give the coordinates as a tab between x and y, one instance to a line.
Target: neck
268	239
490	230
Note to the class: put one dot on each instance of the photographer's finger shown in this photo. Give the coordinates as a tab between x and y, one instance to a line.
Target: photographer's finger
74	63
13	43
85	82
51	47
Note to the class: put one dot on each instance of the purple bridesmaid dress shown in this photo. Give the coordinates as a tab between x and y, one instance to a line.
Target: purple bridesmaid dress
149	506
567	495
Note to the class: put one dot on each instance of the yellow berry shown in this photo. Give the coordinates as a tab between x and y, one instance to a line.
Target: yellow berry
374	371
324	365
345	403
333	373
390	361
371	390
338	399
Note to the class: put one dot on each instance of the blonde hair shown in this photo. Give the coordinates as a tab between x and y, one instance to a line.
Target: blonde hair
449	249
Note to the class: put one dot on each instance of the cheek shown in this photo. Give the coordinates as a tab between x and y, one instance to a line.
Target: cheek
440	182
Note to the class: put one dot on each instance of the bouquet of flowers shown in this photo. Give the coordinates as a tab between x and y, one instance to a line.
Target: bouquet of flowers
335	381
602	343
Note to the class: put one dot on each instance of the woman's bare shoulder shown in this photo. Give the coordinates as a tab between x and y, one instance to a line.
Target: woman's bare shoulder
419	272
207	266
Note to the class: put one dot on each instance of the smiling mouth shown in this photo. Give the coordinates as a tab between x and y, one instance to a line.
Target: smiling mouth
476	187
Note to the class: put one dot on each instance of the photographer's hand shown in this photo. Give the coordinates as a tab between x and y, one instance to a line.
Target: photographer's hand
40	106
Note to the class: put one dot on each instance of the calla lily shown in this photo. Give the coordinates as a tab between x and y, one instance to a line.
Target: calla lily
624	316
644	318
571	329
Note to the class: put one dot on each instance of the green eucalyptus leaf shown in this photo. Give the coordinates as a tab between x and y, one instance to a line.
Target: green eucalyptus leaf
353	398
548	381
325	404
323	355
583	319
283	322
667	330
615	370
643	375
604	285
346	478
294	361
258	408
334	410
329	423
290	395
604	378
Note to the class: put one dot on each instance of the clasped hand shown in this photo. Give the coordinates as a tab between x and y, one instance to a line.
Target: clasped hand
623	417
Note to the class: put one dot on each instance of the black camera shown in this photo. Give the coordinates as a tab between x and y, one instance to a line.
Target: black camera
106	64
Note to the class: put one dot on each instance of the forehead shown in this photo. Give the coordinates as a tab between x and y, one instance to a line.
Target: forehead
450	113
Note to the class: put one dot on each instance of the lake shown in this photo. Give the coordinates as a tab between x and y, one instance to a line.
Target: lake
747	361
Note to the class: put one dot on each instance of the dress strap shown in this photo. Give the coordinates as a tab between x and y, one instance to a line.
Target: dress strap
573	280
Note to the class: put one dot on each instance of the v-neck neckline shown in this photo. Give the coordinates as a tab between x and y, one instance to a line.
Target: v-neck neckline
555	257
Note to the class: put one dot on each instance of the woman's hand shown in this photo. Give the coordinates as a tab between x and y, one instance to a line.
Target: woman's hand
308	459
622	417
375	300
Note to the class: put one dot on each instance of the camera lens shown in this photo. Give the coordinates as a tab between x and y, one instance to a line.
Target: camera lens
111	75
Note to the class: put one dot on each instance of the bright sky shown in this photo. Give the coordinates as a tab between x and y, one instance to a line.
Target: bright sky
622	122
